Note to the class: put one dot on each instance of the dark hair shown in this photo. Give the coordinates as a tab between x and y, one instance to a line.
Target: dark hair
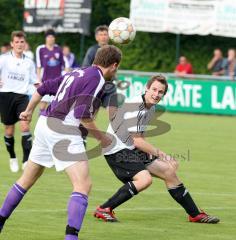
107	55
158	78
101	28
19	34
50	32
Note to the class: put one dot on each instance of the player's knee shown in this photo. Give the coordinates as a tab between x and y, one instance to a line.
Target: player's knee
148	180
145	180
170	173
84	186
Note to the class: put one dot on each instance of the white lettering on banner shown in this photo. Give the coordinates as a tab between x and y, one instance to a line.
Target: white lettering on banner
197	96
228	98
136	88
185	95
217	17
178	94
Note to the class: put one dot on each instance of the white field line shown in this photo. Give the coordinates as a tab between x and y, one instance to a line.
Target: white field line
124	209
233	194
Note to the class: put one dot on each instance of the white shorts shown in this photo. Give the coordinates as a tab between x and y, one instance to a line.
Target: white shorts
47	98
51	148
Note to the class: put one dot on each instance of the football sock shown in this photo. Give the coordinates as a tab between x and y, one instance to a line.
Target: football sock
76	210
13	198
126	192
26	142
183	197
9	141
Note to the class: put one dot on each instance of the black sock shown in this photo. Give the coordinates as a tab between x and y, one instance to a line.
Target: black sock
183	197
2	222
26	142
126	192
9	141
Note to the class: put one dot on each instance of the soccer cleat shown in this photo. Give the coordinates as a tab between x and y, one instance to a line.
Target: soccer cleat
106	214
14	166
204	218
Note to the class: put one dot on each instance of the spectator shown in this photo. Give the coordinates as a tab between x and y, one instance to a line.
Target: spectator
6	47
102	38
69	57
28	52
184	67
216	63
229	64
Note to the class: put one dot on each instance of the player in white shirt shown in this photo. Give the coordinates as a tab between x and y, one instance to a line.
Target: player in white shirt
134	160
17	73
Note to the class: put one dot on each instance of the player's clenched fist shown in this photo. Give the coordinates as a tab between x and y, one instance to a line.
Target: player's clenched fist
26	116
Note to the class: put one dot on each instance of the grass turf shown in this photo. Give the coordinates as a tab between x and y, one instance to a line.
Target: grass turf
206	149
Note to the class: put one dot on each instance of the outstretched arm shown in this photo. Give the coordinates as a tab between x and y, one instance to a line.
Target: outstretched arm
90	125
143	145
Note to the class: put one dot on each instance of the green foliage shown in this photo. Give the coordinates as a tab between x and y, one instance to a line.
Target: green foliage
149	51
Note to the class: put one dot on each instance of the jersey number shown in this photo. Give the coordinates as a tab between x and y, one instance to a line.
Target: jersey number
64	85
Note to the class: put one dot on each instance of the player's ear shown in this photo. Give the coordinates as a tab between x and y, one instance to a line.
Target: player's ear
11	44
115	65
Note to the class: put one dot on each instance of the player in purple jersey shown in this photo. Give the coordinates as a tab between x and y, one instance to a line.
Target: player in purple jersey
57	138
50	62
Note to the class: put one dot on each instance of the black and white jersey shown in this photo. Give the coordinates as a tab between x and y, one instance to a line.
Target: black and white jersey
132	117
16	73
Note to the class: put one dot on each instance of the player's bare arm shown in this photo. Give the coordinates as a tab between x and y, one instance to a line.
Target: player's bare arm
141	143
27	114
92	128
39	74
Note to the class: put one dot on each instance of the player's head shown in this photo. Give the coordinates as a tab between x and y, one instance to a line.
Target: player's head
156	89
50	37
18	39
101	35
108	59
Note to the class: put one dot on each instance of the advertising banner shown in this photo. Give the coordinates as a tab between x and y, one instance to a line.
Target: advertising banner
215	17
62	15
193	96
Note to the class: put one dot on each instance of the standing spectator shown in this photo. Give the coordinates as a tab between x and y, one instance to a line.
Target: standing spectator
69	57
28	51
102	38
184	67
6	47
230	64
17	72
50	62
216	63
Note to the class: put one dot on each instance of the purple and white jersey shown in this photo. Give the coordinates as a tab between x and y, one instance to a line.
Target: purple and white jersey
77	95
51	61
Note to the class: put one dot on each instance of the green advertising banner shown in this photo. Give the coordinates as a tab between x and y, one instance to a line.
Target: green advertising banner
185	95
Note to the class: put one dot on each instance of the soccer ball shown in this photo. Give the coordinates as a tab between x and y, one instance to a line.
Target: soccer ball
121	31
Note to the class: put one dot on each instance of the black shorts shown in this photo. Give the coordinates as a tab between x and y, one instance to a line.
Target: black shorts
127	163
11	105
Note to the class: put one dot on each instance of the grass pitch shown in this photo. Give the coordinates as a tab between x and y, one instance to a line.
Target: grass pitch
206	149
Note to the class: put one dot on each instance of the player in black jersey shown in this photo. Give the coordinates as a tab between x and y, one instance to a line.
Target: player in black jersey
134	160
